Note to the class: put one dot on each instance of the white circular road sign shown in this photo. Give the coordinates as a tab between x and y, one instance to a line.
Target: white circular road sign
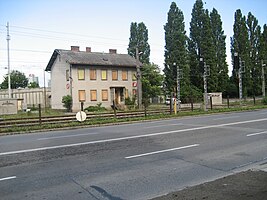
81	116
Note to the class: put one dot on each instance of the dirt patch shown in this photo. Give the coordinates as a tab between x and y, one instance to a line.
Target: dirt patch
248	185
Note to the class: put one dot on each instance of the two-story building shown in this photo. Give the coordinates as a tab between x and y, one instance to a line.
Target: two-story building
91	77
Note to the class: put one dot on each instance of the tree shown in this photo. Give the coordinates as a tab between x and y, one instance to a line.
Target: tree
263	48
175	50
33	85
139	39
195	44
201	46
67	102
17	80
254	65
151	81
221	68
240	45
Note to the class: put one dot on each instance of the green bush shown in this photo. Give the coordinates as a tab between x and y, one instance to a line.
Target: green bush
67	102
129	101
264	100
96	108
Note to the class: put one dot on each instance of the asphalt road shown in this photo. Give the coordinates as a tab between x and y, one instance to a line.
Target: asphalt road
131	161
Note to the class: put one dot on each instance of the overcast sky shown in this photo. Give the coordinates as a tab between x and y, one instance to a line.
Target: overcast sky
37	27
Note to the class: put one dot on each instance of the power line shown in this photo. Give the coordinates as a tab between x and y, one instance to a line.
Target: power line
43	36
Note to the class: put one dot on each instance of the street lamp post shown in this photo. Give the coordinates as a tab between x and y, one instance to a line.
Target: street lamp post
8	61
139	83
263	78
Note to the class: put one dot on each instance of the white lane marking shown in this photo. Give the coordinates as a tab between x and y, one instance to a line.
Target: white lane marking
130	137
163	125
66	136
252	134
7	178
229	117
162	151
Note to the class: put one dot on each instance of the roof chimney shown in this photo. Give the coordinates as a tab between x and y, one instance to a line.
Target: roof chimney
75	48
88	49
113	51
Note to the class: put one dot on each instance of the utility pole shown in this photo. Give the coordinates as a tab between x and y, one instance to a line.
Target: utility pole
44	93
263	78
8	61
240	71
178	86
205	87
139	83
205	75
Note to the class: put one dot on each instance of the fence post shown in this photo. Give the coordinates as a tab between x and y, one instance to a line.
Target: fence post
228	103
40	117
114	109
81	105
211	102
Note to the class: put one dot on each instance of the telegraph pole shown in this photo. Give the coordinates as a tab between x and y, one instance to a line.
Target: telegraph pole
205	87
178	86
139	83
263	78
8	62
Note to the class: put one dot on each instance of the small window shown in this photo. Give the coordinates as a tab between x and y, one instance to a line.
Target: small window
134	76
114	75
67	75
104	95
92	74
81	95
104	75
93	95
124	75
81	73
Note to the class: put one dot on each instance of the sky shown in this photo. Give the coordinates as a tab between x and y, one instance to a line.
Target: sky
38	27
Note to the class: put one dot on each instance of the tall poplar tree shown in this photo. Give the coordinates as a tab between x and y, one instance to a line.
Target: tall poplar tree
263	49
221	68
201	45
139	39
240	45
175	50
254	65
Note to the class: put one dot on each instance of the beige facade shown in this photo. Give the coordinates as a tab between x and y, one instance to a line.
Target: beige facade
101	78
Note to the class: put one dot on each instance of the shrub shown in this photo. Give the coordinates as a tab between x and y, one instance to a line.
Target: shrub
96	108
129	101
67	102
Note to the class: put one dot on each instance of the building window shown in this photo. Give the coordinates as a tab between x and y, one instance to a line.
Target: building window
124	75
134	76
93	95
81	73
104	95
92	74
67	75
104	75
114	75
81	94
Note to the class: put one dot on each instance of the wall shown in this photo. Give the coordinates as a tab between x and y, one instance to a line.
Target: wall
8	106
99	85
59	82
29	96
